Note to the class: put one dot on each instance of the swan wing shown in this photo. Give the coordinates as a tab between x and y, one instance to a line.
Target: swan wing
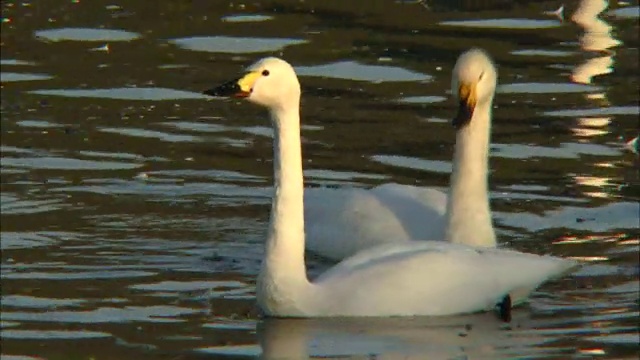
342	222
431	278
420	210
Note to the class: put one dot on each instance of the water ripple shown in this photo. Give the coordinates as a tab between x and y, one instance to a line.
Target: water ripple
23	301
613	110
13	205
51	335
234	45
542	52
60	163
414	163
352	70
18	240
76	275
565	151
151	134
505	23
140	93
225	193
246	18
155	314
16	62
38	124
622	215
629	12
545	88
85	34
16	77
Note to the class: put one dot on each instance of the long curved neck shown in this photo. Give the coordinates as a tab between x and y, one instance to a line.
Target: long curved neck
283	269
468	209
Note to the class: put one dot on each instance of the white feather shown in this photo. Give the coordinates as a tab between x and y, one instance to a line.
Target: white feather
341	222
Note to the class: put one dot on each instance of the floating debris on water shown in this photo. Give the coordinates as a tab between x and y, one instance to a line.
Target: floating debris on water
142	176
104	48
559	13
633	145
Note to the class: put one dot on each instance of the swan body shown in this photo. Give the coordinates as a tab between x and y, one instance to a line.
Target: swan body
402	279
461	279
344	221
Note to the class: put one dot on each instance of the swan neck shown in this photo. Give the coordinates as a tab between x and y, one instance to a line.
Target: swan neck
283	263
468	208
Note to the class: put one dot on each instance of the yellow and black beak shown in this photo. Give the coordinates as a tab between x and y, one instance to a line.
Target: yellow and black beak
467	97
240	88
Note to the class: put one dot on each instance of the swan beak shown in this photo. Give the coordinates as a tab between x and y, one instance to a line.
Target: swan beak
467	96
240	88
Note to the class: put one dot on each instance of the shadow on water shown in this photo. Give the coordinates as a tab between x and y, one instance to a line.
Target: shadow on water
133	210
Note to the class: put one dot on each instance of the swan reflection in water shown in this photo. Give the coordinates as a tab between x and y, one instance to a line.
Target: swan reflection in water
596	38
458	337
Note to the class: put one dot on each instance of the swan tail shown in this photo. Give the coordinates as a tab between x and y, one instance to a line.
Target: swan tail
533	273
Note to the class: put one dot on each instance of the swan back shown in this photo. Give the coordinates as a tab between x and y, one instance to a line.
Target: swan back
389	280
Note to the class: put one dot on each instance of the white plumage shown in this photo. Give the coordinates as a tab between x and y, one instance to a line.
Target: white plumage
393	279
341	222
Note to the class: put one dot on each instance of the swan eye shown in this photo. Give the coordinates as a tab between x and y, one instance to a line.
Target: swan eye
481	76
265	72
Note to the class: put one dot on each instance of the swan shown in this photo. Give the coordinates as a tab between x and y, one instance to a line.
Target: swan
394	279
341	222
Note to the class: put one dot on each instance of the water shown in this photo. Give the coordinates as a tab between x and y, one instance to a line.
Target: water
133	210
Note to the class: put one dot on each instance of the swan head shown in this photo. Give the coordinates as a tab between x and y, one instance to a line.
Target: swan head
473	84
270	82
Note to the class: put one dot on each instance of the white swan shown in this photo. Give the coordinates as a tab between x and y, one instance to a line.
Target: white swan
412	278
342	222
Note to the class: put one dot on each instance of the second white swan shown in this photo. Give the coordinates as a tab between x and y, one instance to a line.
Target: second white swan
341	222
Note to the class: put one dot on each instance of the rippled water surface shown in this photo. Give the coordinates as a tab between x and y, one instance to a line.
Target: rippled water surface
134	209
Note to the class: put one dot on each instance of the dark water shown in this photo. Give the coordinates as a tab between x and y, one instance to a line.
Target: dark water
133	210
